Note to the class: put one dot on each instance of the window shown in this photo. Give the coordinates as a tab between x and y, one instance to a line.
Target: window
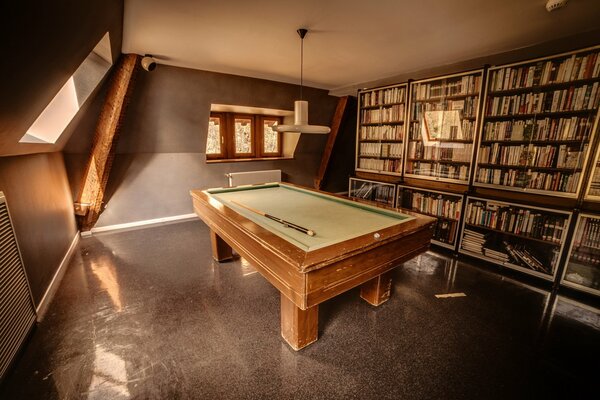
215	144
236	136
57	115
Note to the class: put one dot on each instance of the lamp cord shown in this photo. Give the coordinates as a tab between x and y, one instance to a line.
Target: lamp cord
301	66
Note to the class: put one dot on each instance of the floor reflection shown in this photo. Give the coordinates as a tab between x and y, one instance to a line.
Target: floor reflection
109	380
104	269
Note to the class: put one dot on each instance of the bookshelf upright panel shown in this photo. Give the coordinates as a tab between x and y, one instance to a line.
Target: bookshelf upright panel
443	117
381	129
446	207
538	121
592	192
378	192
582	271
525	238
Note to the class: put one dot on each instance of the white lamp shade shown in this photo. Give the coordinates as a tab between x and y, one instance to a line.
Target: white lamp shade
301	121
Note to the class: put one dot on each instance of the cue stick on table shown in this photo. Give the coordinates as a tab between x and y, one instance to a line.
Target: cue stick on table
299	228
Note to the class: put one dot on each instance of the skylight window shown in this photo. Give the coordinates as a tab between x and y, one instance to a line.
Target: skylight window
57	115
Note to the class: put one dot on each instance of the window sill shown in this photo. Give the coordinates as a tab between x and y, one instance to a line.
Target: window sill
230	160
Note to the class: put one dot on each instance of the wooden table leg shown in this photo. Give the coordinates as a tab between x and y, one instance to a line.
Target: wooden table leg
377	291
221	251
298	327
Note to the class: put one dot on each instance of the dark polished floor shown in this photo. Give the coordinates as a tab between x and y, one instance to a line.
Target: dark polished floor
146	314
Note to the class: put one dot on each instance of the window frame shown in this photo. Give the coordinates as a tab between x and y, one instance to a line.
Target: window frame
260	122
222	122
230	134
227	137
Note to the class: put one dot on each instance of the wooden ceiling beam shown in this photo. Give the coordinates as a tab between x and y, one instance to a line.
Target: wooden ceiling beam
91	195
338	118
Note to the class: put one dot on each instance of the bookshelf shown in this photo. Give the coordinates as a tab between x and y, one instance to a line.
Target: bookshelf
582	270
379	192
443	117
381	129
446	207
525	238
538	120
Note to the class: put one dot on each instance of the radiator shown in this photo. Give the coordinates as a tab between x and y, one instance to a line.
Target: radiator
253	177
17	312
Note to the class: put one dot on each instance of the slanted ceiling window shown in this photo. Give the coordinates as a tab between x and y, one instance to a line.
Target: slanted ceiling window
57	115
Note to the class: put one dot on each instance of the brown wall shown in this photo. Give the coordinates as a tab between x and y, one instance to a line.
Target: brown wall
43	43
161	150
39	200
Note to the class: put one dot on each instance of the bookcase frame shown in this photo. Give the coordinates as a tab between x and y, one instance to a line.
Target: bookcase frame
359	123
596	159
458	221
393	185
536	89
547	277
477	123
570	284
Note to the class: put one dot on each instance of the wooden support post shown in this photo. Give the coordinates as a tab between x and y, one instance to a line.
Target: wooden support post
298	327
105	139
221	251
378	290
338	117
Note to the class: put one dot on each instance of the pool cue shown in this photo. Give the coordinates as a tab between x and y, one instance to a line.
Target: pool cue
277	219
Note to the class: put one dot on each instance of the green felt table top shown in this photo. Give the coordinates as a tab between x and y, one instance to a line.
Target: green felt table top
333	219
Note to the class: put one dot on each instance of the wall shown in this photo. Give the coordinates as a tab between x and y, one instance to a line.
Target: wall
39	200
43	43
573	42
161	149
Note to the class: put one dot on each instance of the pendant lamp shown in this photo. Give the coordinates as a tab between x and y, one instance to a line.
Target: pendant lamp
301	106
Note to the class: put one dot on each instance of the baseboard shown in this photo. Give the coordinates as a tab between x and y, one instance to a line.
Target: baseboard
56	279
155	221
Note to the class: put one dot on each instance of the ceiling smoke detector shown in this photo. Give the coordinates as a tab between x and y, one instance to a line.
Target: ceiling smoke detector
552	5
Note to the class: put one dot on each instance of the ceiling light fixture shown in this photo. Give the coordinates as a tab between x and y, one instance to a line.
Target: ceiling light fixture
301	106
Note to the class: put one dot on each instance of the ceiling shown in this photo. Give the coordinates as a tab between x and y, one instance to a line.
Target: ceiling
349	41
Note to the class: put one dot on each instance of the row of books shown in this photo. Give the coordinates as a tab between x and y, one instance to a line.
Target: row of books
585	97
440	170
393	150
374	192
588	234
519	221
387	165
595	184
561	156
394	113
467	107
431	203
518	178
589	258
461	152
521	254
466	131
576	67
382	132
383	96
574	128
468	84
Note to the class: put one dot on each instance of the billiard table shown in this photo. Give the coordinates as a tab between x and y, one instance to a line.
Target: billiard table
354	244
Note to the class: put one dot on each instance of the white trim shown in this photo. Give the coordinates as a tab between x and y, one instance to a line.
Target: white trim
134	224
56	279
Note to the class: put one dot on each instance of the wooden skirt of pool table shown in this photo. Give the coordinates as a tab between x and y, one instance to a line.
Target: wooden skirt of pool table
302	292
327	273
